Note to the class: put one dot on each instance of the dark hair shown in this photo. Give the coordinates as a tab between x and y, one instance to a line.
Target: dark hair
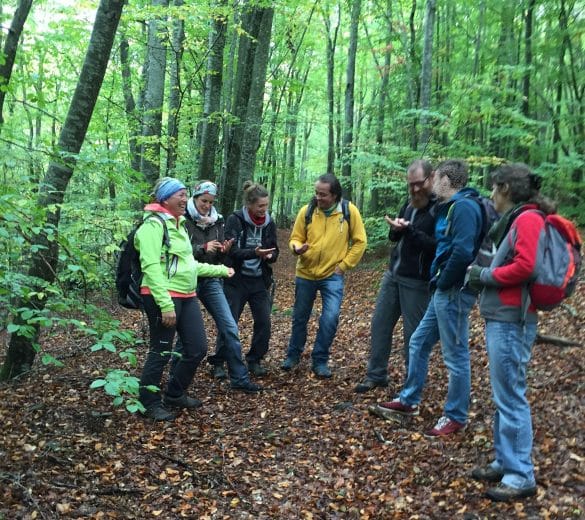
252	192
421	164
334	184
523	185
457	170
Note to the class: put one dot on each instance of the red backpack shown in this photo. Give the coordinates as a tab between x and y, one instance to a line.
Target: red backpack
558	263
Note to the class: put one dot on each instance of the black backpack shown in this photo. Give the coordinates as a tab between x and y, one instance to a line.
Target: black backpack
128	270
489	215
313	204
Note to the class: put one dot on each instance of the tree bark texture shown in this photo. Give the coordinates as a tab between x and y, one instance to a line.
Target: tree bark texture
253	123
132	115
175	90
212	97
331	44
426	74
248	43
21	351
153	97
347	149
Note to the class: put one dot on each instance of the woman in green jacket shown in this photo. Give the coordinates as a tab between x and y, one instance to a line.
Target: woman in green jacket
170	301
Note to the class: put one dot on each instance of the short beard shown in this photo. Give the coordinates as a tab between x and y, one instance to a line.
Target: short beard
420	202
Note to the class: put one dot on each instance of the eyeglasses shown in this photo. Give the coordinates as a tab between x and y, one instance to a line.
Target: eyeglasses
418	184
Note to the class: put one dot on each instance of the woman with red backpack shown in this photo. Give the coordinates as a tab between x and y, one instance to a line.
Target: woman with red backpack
511	321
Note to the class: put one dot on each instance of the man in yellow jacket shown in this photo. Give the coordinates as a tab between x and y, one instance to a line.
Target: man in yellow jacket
329	238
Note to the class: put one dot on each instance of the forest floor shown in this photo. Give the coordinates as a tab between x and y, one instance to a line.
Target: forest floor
305	448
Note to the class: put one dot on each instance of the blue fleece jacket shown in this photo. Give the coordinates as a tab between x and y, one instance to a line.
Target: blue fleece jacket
458	239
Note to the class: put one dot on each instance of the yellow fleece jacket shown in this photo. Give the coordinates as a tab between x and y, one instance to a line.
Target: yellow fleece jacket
332	242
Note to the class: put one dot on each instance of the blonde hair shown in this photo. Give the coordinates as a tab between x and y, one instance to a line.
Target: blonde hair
252	192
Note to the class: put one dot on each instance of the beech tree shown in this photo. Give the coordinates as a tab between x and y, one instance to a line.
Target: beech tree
43	264
10	48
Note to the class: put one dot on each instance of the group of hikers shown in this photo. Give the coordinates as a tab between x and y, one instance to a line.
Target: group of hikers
431	281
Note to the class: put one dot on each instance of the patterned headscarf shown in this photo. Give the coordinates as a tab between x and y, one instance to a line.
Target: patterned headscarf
205	187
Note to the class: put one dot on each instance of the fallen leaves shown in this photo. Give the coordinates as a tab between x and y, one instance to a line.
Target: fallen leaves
305	448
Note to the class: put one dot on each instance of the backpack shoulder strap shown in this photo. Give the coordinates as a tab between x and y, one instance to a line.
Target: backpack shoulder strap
309	212
345	209
244	235
166	240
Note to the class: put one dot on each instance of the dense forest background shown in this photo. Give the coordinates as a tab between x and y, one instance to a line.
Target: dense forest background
98	100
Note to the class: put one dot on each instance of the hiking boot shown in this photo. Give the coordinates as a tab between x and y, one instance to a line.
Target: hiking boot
257	369
248	387
444	427
157	412
392	408
487	473
218	371
322	371
504	493
183	401
367	384
289	363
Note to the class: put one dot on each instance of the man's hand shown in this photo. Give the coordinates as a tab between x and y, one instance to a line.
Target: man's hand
169	319
397	223
231	272
338	270
302	249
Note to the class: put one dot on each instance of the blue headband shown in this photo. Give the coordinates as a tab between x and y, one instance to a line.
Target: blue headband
167	188
205	187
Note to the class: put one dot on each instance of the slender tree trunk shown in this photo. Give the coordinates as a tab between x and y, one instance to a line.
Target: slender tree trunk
347	150
153	97
426	74
129	104
210	126
21	349
413	83
175	90
10	48
381	114
330	49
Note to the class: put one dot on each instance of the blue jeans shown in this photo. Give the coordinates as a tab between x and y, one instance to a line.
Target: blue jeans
398	296
211	295
446	319
509	346
331	290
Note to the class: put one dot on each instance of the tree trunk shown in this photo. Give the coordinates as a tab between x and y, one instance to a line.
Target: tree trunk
381	115
153	98
21	350
212	97
129	104
251	22
331	44
426	74
347	150
10	48
175	90
251	140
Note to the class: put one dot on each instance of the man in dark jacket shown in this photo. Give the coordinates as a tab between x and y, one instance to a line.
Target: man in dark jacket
459	231
405	286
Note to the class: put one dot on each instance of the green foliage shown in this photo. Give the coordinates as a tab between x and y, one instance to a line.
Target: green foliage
119	384
377	231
